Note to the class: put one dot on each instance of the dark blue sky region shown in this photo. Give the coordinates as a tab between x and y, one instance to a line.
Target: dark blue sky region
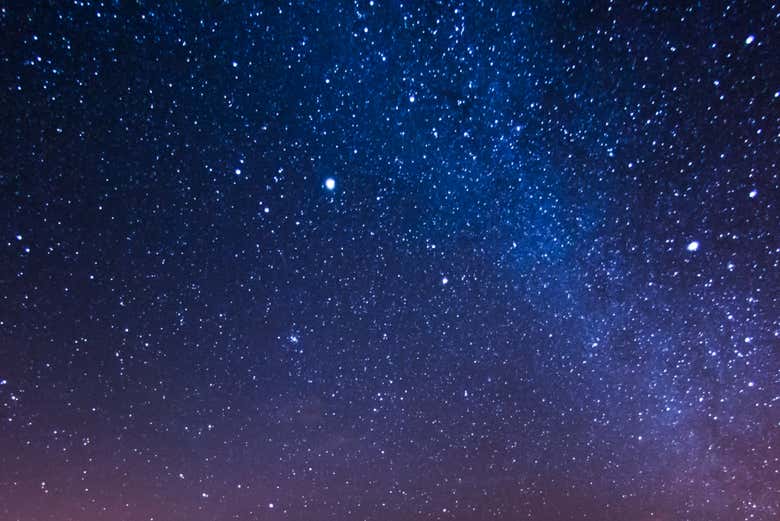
454	261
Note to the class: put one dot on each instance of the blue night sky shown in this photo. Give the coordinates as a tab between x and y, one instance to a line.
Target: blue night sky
384	261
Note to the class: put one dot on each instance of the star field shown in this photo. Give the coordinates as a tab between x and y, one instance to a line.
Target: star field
389	261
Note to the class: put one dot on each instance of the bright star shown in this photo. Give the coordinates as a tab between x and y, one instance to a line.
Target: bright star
693	246
330	183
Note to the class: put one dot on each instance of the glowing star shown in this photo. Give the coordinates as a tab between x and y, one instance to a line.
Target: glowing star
444	280
330	183
237	171
693	246
753	194
750	39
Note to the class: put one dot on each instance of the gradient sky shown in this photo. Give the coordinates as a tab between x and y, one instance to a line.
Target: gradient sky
376	261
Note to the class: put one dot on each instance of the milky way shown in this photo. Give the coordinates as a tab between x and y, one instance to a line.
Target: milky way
388	262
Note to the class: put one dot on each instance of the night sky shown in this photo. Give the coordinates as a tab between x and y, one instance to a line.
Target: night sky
389	262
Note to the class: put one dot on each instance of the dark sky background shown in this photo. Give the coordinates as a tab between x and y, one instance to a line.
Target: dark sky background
378	261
